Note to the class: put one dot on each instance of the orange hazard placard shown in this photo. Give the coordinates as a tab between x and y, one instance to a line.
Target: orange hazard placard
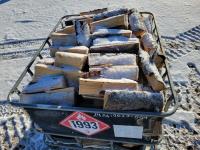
84	123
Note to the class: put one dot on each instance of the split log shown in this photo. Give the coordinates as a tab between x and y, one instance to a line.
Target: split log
72	59
82	33
97	59
115	44
45	83
151	72
133	100
148	42
95	87
42	69
61	97
67	30
46	61
117	72
120	21
72	75
110	32
71	49
137	23
110	13
62	39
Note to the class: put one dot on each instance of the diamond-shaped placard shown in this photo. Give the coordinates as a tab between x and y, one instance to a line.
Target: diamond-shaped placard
84	123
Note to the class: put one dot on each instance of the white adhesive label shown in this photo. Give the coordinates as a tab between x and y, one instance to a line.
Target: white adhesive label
128	131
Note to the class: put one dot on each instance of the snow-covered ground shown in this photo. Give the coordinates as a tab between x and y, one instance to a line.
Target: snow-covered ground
32	20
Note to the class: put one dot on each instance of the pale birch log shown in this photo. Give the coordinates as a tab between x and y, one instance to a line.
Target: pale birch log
82	33
117	72
45	83
95	87
71	49
46	61
110	32
148	42
61	97
62	39
136	22
151	72
72	59
133	100
110	13
115	44
67	30
97	59
120	21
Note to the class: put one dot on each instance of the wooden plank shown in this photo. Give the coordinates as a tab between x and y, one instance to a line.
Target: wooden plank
133	100
71	49
62	39
111	22
60	97
72	59
46	61
96	87
45	83
67	30
97	59
115	44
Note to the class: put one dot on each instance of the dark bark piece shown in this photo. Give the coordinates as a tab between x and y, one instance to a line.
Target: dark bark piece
151	72
133	100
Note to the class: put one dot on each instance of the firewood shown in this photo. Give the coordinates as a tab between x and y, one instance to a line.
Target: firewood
110	13
72	59
117	72
120	21
137	23
42	69
72	75
67	30
133	100
97	59
62	39
96	87
148	42
151	72
45	83
71	49
115	44
46	61
82	33
61	97
110	32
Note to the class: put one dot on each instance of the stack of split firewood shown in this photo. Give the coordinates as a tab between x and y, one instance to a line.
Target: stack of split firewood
110	57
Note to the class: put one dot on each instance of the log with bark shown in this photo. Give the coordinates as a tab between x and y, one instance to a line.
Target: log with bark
60	97
151	72
97	59
71	49
120	21
136	22
46	83
82	33
110	32
110	13
117	72
97	87
72	59
148	42
115	44
62	39
133	100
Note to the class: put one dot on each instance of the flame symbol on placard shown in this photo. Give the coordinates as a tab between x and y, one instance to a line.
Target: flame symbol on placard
81	117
